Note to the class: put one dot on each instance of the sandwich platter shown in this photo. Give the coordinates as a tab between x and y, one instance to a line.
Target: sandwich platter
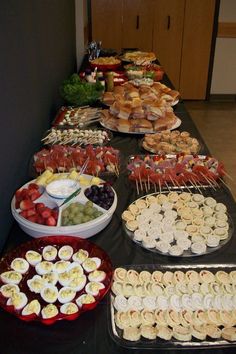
106	124
173	306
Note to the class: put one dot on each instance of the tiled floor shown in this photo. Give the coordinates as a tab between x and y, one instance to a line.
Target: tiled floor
216	122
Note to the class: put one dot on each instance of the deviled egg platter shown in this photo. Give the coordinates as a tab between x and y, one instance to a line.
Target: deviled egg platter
53	278
85	215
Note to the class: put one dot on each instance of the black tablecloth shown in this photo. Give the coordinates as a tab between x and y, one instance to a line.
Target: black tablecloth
89	333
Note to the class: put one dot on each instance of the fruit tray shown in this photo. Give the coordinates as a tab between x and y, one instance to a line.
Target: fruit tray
180	307
25	285
29	217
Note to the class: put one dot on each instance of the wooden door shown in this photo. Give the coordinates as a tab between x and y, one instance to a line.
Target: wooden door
106	18
197	37
167	36
138	24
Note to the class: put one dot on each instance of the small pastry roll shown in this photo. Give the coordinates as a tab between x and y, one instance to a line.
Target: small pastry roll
182	333
226	318
132	276
135	318
185	196
135	303
162	246
208	301
198	247
214	288
157	289
117	288
213	240
176	250
199	317
144	276
128	289
197	301
186	301
132	225
148	332
199	332
172	318
139	290
232	276
209	201
205	276
192	276
122	319
148	317
160	318
133	209
157	276
181	289
213	331
222	277
120	303
227	289
175	302
120	274
141	204
220	207
213	317
162	302
132	334
193	288
217	303
178	277
204	288
229	333
167	278
164	332
186	318
149	302
127	216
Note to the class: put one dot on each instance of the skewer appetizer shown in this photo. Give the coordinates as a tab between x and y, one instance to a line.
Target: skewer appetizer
60	158
76	137
156	171
77	116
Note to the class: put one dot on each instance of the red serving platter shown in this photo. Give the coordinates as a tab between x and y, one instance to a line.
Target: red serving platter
38	245
105	67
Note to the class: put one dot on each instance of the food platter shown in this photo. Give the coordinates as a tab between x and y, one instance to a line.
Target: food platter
166	142
57	242
178	224
76	137
113	129
138	57
105	63
161	326
83	229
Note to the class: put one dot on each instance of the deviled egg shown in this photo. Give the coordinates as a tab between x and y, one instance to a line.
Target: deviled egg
8	290
33	257
78	283
80	256
50	278
75	270
20	265
85	299
36	284
93	288
49	253
64	278
49	293
31	308
97	275
65	252
91	264
69	309
66	294
61	266
49	311
18	300
11	277
44	267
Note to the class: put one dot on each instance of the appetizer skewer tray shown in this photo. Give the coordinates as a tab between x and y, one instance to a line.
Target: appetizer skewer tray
173	306
178	224
25	292
76	116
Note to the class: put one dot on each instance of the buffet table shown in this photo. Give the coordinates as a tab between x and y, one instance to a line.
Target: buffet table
89	333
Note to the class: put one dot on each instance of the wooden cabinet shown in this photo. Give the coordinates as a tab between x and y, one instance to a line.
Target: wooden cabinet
178	31
168	36
137	24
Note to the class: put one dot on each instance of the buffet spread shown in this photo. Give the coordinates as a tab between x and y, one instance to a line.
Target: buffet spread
153	191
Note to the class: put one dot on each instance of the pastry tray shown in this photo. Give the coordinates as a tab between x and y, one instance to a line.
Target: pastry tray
144	344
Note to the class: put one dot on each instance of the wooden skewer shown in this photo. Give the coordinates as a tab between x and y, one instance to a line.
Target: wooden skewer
225	183
196	186
208	181
155	187
148	183
167	186
140	181
187	187
159	186
137	189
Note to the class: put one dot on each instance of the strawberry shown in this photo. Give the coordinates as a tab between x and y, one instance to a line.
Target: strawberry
39	206
35	195
51	221
45	213
26	204
18	194
30	212
55	214
32	218
23	213
40	219
33	186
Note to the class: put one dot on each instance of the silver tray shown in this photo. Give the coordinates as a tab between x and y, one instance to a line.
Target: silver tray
187	253
116	333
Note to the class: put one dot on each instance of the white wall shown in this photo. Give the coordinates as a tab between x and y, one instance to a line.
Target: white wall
224	68
79	19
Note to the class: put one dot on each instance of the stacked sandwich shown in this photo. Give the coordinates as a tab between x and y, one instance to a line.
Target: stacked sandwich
143	109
